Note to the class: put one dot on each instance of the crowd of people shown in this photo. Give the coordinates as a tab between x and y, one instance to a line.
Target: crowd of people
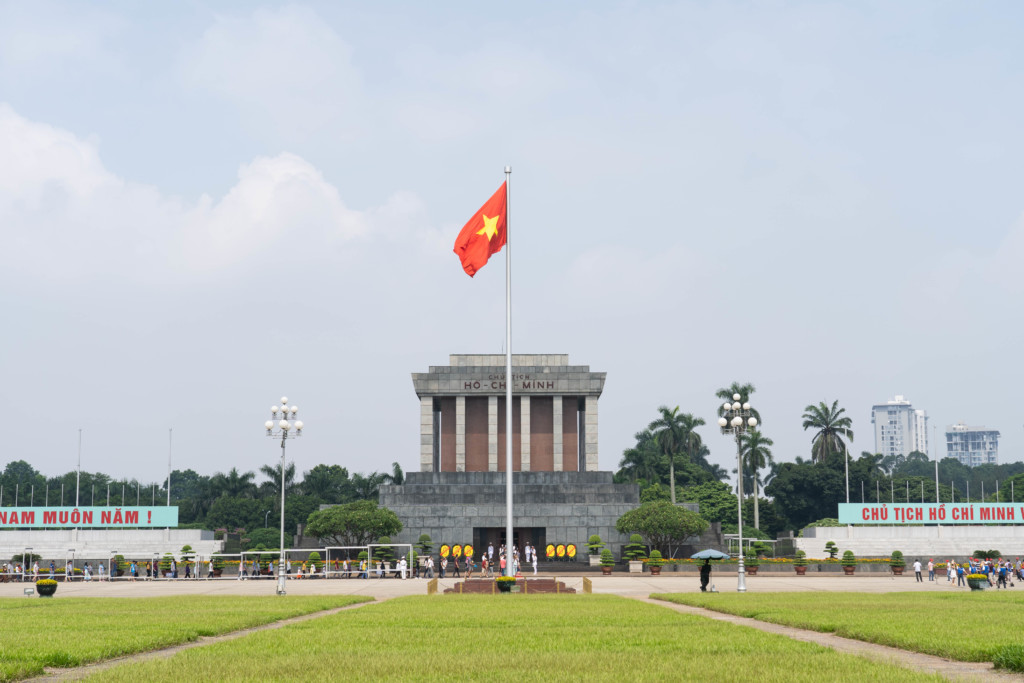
999	573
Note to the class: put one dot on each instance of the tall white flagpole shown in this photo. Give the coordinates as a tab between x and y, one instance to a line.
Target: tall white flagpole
508	374
78	475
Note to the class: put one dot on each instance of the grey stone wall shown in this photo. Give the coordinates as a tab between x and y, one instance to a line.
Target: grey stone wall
569	505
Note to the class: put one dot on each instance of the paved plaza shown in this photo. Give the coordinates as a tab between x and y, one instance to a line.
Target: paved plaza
617	584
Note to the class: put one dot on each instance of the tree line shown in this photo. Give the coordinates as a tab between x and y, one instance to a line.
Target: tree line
670	462
225	500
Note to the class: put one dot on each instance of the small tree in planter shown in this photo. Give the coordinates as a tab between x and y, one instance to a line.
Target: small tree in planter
424	545
607	561
594	546
849	562
751	561
117	566
897	563
635	553
800	562
655	562
218	566
314	559
165	564
832	549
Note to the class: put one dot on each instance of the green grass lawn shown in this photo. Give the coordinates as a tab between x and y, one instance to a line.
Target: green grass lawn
967	625
517	637
73	631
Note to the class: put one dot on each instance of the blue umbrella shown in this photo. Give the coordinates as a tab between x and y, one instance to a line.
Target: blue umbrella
710	554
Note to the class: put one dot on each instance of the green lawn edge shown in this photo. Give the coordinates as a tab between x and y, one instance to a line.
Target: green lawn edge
986	628
70	632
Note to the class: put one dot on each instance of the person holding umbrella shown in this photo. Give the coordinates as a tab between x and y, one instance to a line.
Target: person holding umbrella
705	575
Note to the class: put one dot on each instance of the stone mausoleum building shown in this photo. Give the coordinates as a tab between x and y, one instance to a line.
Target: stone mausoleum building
559	495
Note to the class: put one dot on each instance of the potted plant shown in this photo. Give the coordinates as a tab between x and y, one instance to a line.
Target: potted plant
594	546
117	566
800	562
607	561
635	553
751	560
849	563
46	588
218	566
897	563
832	549
505	583
977	582
425	546
655	562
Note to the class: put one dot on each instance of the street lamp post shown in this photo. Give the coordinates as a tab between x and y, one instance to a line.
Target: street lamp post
265	516
283	429
737	419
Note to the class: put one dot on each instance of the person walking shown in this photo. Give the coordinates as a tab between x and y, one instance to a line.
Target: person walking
455	568
705	575
917	570
931	569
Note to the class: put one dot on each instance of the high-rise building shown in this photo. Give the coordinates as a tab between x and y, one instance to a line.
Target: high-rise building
899	429
972	445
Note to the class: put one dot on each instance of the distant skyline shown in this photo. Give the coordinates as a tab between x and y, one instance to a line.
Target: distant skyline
205	206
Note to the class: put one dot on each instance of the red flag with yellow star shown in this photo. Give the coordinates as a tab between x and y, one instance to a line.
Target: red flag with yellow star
483	235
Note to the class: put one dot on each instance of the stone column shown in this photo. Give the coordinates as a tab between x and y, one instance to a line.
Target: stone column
556	431
460	433
590	441
524	432
426	434
492	433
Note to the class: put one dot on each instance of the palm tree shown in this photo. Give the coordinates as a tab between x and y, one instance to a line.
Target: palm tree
831	427
692	443
641	461
756	455
744	390
234	484
396	477
272	487
367	487
670	430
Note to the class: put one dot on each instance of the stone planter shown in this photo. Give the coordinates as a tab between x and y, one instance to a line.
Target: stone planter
636	567
595	560
751	571
898	571
977	584
655	571
606	570
505	586
46	591
800	571
849	570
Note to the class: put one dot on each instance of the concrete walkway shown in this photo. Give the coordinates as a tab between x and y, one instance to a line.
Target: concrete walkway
630	585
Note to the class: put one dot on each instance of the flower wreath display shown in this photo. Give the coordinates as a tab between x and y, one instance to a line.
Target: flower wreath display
549	550
445	550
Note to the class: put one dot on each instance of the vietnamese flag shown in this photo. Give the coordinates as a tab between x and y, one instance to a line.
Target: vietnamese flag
483	235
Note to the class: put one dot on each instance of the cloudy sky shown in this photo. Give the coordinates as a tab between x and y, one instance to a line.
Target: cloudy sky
206	205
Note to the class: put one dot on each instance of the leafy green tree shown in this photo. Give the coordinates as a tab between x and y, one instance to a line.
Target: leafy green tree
831	428
755	455
234	484
329	483
805	492
355	523
716	499
661	523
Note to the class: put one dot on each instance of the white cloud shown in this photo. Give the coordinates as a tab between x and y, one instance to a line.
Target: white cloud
69	216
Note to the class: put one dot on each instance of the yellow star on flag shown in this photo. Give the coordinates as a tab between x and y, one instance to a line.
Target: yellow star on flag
490	227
